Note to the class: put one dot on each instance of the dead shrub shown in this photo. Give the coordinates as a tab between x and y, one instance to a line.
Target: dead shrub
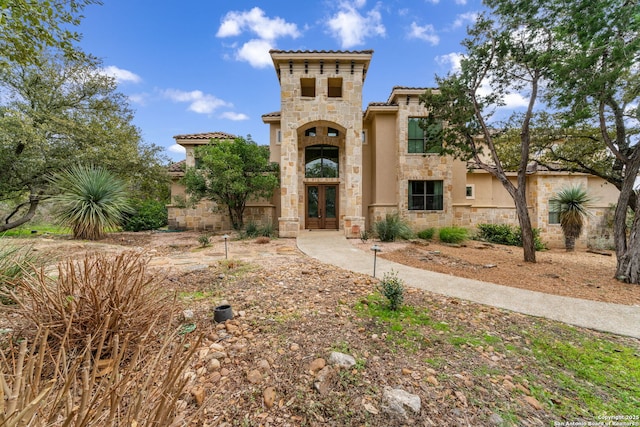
262	240
86	391
109	293
102	352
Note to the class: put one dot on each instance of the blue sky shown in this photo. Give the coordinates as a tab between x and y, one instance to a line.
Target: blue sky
200	66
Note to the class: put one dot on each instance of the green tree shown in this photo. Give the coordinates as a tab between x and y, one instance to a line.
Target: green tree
595	83
90	201
61	112
572	204
28	28
230	173
500	58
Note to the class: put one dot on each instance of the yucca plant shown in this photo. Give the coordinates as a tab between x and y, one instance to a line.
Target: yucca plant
572	204
91	200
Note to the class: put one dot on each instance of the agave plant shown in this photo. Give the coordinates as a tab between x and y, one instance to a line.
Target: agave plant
572	204
91	200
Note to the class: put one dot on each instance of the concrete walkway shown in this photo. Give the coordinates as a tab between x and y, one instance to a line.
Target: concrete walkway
331	247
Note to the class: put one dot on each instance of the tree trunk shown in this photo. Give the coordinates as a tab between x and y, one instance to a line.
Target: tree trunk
33	205
628	263
528	245
237	217
569	243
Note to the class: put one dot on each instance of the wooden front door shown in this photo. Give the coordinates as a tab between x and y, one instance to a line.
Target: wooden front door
322	206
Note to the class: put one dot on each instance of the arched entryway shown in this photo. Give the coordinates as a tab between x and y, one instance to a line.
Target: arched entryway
321	148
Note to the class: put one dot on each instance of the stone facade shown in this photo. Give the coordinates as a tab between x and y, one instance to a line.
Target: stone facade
373	170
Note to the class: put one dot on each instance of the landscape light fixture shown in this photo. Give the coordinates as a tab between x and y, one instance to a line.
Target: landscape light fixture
375	249
226	253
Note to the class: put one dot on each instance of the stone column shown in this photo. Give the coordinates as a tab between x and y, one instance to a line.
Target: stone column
289	221
353	218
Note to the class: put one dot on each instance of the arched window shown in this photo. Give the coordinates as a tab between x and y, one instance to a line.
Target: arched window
321	161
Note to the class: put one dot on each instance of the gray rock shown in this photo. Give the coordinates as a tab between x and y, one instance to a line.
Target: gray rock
496	419
341	360
395	401
324	380
187	314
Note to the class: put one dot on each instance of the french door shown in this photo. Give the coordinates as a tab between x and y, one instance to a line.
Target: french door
322	206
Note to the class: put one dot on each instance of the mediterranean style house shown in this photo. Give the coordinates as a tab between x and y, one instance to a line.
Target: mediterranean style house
343	168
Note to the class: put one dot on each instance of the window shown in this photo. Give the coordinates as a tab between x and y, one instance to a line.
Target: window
554	213
332	132
308	87
310	132
334	89
425	195
471	191
321	161
364	137
425	135
279	136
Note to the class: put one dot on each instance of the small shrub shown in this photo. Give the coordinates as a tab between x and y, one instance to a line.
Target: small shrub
266	230
453	234
251	229
427	234
392	288
365	235
262	240
204	240
148	215
392	227
505	234
13	267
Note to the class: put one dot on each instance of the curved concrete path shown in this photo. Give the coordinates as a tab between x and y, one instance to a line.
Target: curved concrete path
332	247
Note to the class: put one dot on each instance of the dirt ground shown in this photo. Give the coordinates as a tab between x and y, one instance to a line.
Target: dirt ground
292	312
578	274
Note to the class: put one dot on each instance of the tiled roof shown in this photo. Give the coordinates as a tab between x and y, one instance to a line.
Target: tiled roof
382	104
177	167
272	114
206	135
321	51
411	88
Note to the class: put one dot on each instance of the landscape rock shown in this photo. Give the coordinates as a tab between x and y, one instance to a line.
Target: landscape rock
317	365
341	360
269	396
188	315
198	395
396	401
324	380
254	377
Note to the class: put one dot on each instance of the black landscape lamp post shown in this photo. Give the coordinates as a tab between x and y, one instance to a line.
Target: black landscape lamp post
226	254
375	249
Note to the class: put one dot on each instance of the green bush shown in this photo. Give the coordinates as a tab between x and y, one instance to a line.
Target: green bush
427	234
14	263
148	215
204	240
392	227
392	288
453	234
252	230
505	234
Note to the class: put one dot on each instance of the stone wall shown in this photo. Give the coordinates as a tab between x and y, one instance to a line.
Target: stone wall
208	216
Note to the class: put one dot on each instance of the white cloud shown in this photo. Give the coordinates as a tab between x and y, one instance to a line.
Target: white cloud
461	2
139	98
426	33
465	18
451	59
175	148
255	21
121	75
267	30
199	102
234	116
433	1
256	53
351	27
